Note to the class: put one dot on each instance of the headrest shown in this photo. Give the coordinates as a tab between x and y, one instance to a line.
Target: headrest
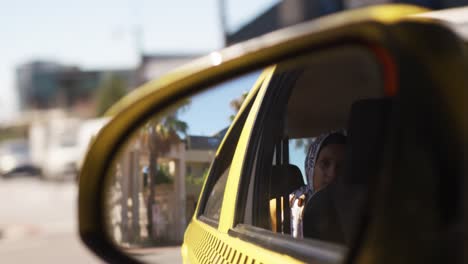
367	127
286	178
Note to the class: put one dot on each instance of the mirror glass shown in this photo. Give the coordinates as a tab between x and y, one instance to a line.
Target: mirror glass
157	176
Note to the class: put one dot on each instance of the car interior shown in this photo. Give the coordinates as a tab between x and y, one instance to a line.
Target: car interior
304	99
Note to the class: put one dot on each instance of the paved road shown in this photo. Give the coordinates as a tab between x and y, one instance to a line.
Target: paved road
38	224
47	248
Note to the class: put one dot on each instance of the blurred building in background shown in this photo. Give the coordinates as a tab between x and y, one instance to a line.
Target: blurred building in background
154	66
289	12
60	107
45	85
181	173
34	82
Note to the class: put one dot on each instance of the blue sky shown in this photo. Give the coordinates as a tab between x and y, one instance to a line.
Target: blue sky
209	112
100	34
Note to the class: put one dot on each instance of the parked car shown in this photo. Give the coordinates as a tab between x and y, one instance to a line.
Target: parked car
15	159
86	133
395	81
61	154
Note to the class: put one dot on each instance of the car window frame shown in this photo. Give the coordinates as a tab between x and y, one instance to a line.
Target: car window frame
229	144
257	139
302	249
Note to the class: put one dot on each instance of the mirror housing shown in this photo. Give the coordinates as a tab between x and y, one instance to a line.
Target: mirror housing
386	30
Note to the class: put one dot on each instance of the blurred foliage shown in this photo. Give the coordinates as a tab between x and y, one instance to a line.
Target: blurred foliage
236	104
196	179
109	92
7	133
163	175
164	132
161	134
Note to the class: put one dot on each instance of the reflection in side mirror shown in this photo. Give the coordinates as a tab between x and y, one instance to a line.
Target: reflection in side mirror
158	175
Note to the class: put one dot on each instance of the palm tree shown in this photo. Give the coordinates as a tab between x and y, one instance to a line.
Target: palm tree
162	134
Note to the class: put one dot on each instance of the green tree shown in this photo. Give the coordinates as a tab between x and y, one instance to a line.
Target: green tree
162	134
110	90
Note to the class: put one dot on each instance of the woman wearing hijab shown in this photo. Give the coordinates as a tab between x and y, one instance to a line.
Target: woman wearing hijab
323	164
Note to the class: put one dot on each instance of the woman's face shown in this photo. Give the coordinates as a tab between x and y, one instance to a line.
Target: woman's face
329	165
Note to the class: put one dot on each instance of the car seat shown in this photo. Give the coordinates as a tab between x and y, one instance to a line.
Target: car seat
284	180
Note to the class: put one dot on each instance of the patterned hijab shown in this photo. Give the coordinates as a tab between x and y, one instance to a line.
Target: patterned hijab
314	151
307	191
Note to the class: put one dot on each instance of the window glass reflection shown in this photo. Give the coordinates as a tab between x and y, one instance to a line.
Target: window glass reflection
158	175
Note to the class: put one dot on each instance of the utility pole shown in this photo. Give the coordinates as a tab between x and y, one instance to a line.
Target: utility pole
223	20
138	38
136	27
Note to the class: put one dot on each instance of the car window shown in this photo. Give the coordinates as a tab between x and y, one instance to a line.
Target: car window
305	106
215	199
216	184
297	153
